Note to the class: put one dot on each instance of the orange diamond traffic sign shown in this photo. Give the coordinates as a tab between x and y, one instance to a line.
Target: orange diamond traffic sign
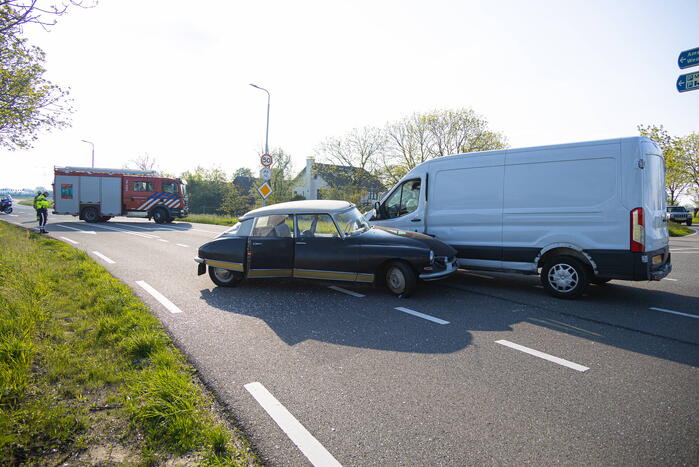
265	190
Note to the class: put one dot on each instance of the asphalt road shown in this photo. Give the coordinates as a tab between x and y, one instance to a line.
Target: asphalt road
356	381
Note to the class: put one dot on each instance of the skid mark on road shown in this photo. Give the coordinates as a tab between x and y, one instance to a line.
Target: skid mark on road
297	433
545	356
172	308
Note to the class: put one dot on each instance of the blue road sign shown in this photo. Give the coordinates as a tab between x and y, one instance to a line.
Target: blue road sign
688	58
688	82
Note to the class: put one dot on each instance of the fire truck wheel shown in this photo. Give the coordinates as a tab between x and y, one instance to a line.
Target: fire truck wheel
169	221
160	216
104	218
90	214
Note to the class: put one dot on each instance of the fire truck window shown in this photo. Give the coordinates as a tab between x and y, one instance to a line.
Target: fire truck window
142	186
169	187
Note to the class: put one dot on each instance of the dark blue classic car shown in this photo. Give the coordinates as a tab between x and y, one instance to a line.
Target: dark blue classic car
328	240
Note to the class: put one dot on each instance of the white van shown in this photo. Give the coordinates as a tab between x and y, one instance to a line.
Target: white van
573	213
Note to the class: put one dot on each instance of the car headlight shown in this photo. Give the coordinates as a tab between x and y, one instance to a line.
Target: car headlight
431	256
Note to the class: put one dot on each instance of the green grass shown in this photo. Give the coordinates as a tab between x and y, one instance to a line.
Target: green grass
209	219
87	374
678	230
25	201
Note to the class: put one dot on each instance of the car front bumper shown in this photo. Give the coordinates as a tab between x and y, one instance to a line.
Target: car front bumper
450	269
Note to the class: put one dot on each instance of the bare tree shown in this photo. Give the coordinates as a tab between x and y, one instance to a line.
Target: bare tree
144	162
16	13
360	148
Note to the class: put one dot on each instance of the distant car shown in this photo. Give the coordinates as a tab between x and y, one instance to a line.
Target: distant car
679	214
325	239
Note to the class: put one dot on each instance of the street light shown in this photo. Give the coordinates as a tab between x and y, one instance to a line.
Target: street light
267	129
93	150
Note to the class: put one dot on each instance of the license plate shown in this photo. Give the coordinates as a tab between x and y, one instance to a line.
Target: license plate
657	259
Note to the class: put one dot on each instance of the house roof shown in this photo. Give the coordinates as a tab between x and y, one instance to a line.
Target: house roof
344	175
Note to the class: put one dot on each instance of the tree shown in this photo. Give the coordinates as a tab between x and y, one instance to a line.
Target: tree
360	148
688	148
281	176
144	162
677	176
29	103
206	188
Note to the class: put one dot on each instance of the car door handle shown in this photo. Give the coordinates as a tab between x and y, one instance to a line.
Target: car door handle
301	243
416	220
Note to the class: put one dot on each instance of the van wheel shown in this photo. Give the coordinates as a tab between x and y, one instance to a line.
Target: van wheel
160	216
689	221
400	279
564	277
90	214
224	277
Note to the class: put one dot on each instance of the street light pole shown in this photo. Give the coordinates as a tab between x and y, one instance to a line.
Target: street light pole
267	128
93	150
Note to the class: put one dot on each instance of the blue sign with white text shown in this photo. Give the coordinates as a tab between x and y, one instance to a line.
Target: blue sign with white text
688	82
688	58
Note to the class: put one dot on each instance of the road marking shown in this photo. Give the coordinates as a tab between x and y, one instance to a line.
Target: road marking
13	215
79	230
479	275
348	292
684	248
543	355
297	433
138	234
669	279
421	315
69	240
675	312
149	229
182	245
106	260
163	240
172	308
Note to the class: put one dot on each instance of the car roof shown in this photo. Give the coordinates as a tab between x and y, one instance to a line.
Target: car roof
300	207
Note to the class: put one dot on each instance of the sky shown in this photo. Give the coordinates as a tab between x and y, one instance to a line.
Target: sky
170	78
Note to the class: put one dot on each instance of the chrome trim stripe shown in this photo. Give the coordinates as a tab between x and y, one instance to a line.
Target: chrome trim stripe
269	272
328	275
365	277
225	265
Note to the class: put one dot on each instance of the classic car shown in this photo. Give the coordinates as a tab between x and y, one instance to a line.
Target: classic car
323	239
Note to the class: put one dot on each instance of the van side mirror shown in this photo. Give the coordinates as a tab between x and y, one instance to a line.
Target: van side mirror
377	210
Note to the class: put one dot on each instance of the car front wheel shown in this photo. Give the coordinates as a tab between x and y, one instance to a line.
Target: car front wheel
224	277
401	279
564	277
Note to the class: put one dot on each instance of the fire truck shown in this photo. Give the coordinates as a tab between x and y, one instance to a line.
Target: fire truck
97	195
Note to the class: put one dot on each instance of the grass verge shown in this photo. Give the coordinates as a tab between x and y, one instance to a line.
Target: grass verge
87	374
678	230
209	219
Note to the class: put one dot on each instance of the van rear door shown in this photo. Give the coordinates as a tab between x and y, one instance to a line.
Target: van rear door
654	198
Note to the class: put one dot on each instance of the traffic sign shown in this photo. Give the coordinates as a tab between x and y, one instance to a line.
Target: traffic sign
265	190
688	58
266	160
688	82
266	173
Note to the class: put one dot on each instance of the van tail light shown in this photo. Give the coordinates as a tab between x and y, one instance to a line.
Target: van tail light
638	231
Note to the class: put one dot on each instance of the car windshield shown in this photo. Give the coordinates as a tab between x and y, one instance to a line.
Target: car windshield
676	209
351	222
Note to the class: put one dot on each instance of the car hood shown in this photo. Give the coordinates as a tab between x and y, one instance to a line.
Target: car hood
439	247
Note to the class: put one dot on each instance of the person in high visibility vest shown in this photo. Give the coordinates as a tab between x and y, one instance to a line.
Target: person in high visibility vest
38	193
42	208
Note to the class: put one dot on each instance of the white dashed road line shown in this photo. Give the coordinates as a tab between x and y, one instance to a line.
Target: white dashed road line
675	312
138	234
79	230
104	258
297	433
421	315
163	240
669	279
543	355
172	308
182	245
70	241
348	292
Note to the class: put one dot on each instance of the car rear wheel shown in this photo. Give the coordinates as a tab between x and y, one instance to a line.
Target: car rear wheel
224	277
564	277
401	279
90	214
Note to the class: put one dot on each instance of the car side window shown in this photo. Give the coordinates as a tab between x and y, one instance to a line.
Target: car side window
316	225
276	226
142	186
403	200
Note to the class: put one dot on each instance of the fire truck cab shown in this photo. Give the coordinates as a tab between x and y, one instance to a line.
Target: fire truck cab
97	195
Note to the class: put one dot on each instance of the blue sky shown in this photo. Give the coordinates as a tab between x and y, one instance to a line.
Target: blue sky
171	80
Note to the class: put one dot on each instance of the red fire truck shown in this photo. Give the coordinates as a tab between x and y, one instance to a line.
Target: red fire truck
97	195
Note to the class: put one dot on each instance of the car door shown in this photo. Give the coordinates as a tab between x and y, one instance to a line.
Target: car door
320	251
271	246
